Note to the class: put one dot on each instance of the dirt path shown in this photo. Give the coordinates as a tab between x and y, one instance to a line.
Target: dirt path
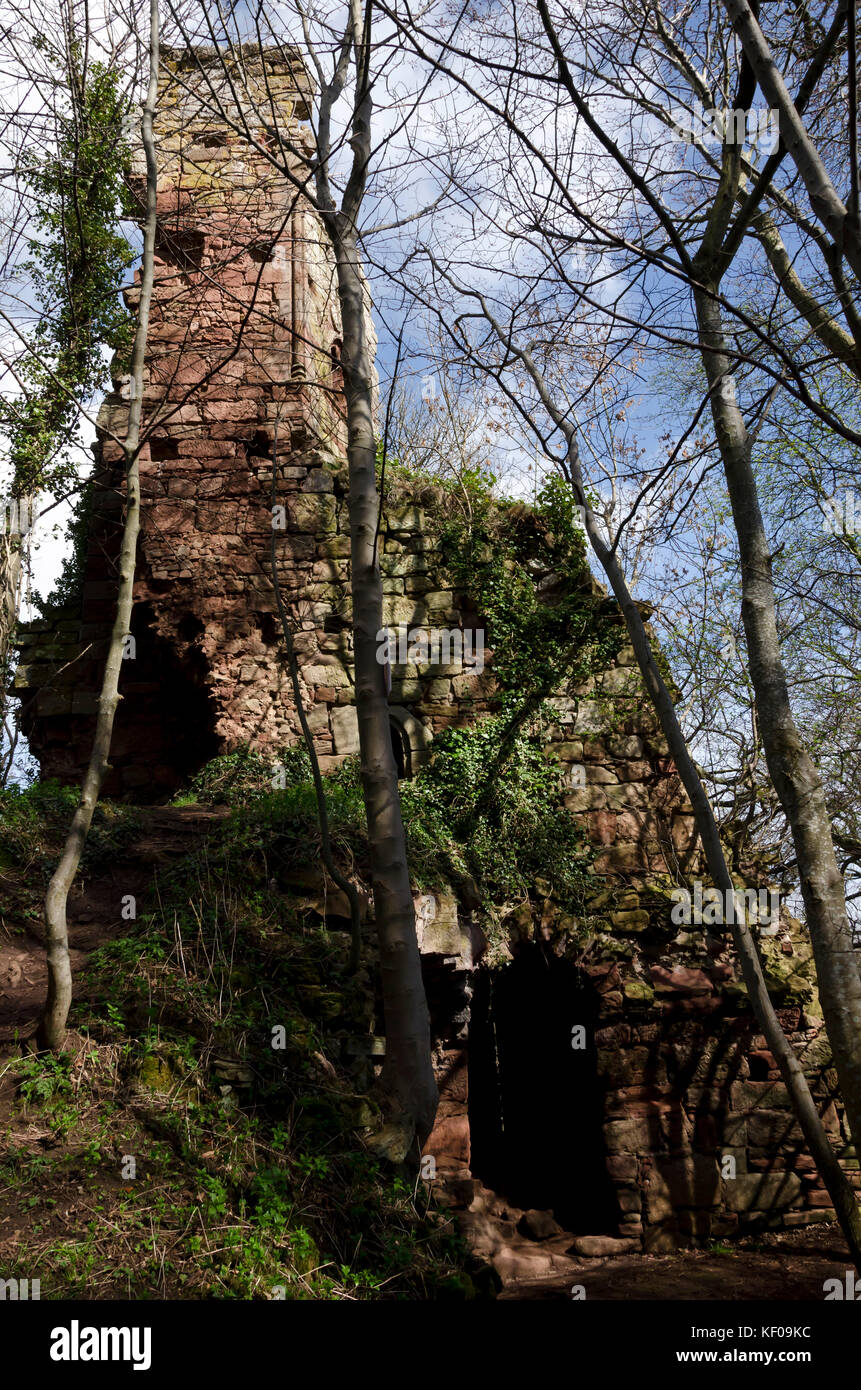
791	1265
95	911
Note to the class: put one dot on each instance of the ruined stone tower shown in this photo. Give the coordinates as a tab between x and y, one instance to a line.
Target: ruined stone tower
242	374
627	1137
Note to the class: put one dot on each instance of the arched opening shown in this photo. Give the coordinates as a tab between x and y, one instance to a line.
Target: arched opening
410	741
535	1101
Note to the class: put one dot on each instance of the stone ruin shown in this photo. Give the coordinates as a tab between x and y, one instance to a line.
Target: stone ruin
671	1126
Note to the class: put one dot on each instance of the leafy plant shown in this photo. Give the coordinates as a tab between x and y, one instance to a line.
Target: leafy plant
44	1078
245	776
525	569
77	262
502	832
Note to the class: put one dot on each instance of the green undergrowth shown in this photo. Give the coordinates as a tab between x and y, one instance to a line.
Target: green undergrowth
34	820
33	825
526	572
218	1042
202	1136
467	814
151	1178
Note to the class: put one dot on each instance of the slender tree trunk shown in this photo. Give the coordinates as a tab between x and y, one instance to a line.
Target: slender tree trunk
408	1085
349	889
792	770
10	583
842	226
52	1027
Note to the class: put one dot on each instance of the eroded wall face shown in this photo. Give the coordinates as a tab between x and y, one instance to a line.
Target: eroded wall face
243	383
614	1074
242	379
613	1071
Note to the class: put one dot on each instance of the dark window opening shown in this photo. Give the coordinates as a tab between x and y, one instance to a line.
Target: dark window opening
535	1102
759	1068
190	627
182	247
335	622
401	750
262	251
270	628
259	447
161	449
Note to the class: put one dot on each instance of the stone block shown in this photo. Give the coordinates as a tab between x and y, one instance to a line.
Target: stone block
622	1167
397	566
600	1247
692	1180
439	930
398	608
768	1128
632	1136
768	1095
630	921
345	729
334	677
660	1240
679	979
761	1191
630	1066
312	513
626	746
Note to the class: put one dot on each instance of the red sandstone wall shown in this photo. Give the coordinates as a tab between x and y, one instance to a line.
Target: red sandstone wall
244	321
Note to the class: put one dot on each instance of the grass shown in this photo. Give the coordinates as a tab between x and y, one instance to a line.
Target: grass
172	1151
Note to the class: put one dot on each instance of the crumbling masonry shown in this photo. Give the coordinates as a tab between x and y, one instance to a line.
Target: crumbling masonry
671	1125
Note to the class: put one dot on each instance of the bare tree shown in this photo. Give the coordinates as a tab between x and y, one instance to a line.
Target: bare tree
53	1021
64	257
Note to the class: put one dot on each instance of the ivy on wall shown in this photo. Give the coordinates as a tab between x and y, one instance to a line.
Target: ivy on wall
77	262
525	570
490	798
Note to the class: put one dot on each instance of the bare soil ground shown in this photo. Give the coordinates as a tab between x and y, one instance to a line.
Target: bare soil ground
94	913
779	1266
768	1265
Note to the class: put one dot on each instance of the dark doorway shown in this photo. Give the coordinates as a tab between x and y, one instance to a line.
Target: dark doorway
535	1102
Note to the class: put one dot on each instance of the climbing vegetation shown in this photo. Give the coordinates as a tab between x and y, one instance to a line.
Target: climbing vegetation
525	570
502	832
77	260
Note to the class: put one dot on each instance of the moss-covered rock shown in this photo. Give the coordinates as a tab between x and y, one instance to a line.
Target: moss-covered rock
156	1074
638	991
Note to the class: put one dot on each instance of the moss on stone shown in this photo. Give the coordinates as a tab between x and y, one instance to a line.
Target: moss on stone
156	1074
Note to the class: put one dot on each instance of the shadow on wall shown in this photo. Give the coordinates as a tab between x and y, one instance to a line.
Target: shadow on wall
165	725
535	1102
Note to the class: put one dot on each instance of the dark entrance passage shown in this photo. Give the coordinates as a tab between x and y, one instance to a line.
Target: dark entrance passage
535	1103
